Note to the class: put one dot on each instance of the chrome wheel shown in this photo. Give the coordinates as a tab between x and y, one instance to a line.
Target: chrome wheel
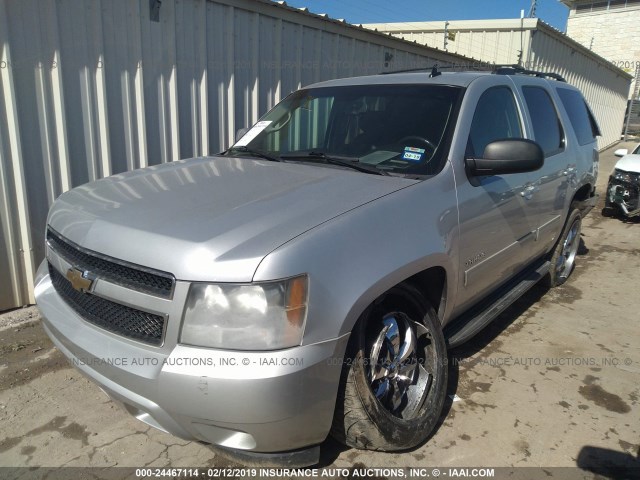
566	259
401	364
392	390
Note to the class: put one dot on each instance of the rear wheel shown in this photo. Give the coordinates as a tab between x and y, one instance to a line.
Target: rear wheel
563	258
394	377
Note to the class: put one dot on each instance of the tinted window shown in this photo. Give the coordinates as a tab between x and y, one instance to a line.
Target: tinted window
573	102
496	118
546	125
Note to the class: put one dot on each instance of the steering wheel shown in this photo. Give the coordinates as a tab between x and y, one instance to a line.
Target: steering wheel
424	141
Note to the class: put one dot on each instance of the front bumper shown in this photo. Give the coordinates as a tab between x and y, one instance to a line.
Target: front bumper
247	401
624	196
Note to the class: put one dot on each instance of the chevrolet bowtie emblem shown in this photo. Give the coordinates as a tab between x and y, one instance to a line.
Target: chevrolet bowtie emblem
78	281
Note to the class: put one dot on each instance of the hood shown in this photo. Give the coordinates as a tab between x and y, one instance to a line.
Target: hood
629	163
212	218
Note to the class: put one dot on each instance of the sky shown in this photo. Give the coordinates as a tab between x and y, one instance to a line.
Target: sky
384	11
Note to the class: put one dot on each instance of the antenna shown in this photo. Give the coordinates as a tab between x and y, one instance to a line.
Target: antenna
532	10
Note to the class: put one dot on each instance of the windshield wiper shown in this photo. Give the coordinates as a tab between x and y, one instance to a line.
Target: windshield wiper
348	162
252	152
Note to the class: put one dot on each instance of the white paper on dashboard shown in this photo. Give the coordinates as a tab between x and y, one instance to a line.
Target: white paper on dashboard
253	133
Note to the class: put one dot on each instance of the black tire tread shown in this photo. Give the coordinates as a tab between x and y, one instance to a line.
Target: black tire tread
353	423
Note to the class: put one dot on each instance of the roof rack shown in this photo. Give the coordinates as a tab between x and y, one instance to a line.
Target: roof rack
434	71
518	70
408	70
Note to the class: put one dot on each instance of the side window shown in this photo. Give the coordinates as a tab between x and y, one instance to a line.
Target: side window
586	129
496	118
546	124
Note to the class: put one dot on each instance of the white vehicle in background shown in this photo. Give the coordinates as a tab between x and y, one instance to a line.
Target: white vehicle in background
623	191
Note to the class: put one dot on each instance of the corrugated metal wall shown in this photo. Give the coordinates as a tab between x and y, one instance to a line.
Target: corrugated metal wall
90	88
492	41
605	86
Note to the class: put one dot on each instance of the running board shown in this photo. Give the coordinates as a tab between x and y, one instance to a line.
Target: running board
472	322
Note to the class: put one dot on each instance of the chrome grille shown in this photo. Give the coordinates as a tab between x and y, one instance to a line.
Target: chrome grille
114	317
116	271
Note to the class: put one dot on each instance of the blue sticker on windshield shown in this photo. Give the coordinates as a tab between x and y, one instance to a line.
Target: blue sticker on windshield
413	154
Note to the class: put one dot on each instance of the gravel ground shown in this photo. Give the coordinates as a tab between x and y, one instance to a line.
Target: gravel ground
18	316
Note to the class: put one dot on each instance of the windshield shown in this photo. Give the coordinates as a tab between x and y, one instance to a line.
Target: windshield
400	129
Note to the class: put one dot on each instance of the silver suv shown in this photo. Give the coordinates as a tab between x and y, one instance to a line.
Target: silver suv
309	280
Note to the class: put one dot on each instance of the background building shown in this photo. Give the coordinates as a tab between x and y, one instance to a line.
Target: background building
537	46
611	29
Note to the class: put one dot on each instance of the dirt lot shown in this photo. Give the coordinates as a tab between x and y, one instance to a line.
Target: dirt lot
554	382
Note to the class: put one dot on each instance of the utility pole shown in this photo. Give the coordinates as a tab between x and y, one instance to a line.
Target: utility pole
521	51
635	97
446	34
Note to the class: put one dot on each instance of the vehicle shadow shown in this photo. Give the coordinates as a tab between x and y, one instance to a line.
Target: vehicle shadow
607	463
481	341
618	216
330	450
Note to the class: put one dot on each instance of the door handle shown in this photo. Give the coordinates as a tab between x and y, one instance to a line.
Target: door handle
528	192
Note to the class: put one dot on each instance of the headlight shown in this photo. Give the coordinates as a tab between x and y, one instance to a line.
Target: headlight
625	176
260	316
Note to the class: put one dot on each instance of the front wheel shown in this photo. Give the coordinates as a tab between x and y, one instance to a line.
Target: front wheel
563	257
394	378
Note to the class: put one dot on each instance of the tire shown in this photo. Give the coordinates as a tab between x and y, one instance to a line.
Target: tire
406	407
564	253
608	211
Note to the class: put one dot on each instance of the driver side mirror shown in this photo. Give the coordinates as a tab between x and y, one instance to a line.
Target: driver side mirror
507	156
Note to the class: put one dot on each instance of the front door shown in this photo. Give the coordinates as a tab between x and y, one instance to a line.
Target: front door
496	222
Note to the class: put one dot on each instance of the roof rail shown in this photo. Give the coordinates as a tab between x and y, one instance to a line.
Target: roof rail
408	70
434	71
518	70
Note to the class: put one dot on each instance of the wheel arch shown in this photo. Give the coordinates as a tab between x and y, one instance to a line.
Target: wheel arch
433	282
584	199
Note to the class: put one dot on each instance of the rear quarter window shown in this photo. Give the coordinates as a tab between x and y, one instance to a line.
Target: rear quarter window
546	124
582	122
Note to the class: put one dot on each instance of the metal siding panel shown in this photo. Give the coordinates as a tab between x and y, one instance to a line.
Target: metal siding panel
13	117
13	293
215	76
230	42
242	70
155	87
185	46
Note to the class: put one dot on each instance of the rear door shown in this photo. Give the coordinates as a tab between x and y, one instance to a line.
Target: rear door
550	185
